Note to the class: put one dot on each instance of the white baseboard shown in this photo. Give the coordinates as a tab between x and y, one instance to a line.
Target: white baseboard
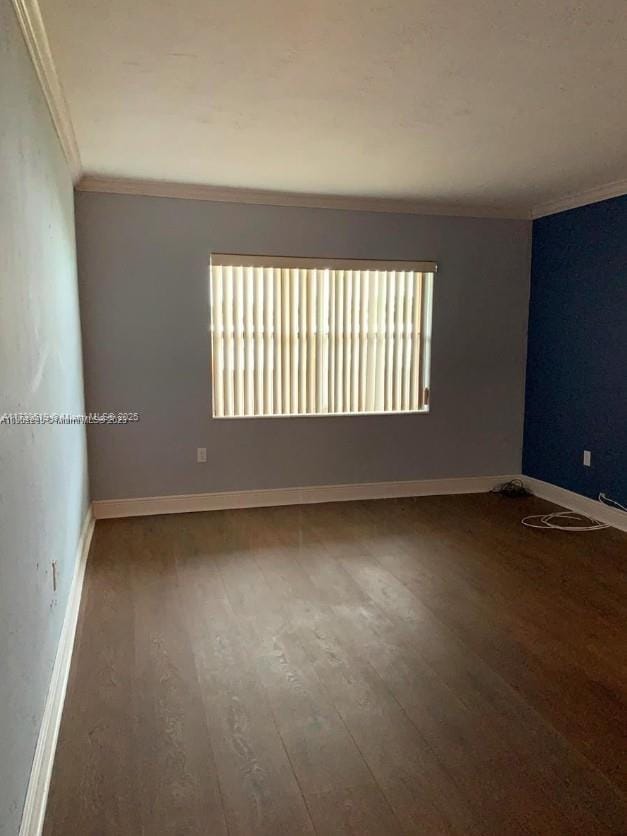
108	508
220	501
576	502
37	793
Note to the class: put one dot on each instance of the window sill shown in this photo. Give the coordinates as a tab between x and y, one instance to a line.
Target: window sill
423	411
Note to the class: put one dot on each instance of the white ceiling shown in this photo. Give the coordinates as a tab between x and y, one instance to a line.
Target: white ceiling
497	103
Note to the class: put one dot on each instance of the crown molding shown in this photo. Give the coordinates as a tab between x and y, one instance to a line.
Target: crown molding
34	32
32	26
573	201
188	191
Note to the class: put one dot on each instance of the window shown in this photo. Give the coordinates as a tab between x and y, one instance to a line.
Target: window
299	336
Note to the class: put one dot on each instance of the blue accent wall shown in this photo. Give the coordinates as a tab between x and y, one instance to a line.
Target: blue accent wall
576	390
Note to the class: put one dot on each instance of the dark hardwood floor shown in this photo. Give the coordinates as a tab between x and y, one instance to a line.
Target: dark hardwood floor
421	666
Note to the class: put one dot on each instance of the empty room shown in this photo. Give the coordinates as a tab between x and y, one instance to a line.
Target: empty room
313	418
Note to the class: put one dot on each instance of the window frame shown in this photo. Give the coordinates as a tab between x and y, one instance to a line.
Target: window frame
428	269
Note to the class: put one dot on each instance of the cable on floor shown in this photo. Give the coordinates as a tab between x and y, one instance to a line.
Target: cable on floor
556	520
606	500
513	489
580	522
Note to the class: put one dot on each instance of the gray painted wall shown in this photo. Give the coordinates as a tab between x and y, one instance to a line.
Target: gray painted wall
43	477
143	273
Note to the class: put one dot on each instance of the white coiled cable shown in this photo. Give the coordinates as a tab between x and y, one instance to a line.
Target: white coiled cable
580	522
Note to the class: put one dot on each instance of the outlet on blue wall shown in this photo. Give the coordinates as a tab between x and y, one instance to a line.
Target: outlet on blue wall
576	390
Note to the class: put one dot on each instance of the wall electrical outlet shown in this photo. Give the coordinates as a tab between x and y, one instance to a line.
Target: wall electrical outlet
586	458
201	455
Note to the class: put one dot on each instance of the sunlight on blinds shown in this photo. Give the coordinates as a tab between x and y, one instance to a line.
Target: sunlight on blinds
297	339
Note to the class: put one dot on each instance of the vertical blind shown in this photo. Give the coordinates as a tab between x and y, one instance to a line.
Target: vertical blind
307	337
